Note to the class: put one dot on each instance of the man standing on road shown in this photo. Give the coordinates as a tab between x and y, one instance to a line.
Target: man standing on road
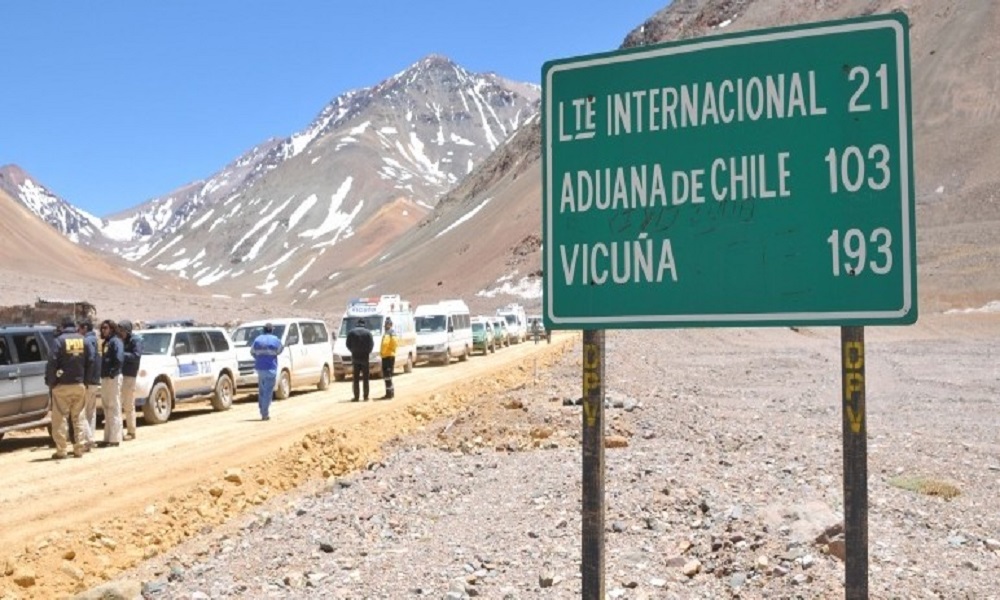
65	374
112	357
265	350
388	353
360	343
130	370
92	380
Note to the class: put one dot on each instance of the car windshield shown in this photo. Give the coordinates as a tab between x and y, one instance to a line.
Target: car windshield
373	323
244	336
156	343
430	323
478	327
511	319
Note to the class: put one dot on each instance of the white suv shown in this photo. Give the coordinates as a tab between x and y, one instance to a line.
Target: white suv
184	363
307	357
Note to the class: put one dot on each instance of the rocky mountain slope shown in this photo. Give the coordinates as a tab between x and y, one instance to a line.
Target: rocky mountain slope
373	160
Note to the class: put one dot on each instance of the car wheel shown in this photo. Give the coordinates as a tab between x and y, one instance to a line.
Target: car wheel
158	406
465	354
222	399
324	379
284	389
408	366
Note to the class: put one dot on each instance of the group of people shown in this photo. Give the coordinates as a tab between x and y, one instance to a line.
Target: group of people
266	348
82	363
361	343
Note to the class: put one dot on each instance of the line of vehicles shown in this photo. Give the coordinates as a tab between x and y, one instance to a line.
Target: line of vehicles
183	361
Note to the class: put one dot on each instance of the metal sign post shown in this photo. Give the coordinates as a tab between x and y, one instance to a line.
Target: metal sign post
593	465
852	342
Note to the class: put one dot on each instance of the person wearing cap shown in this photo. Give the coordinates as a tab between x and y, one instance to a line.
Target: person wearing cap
65	373
92	380
388	354
130	370
265	350
361	344
112	357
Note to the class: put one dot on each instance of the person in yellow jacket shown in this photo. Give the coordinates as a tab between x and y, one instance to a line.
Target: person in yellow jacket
388	353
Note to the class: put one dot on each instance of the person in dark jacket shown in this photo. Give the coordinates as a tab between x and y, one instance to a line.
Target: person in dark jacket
130	370
92	380
360	342
65	374
112	357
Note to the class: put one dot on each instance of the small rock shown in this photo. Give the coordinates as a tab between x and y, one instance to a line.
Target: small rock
73	571
326	547
737	580
546	580
233	476
838	549
24	577
692	568
616	441
992	544
215	491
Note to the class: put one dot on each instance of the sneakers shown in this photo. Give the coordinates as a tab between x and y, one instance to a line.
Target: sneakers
266	418
129	437
59	456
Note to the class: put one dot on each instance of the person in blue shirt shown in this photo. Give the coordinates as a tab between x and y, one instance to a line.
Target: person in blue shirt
265	350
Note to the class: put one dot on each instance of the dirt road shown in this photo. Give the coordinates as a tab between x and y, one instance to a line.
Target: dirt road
70	524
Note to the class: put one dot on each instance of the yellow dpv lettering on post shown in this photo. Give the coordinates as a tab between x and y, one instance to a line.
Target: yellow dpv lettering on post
854	383
591	381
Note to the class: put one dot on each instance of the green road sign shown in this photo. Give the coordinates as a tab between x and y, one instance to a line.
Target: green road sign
752	179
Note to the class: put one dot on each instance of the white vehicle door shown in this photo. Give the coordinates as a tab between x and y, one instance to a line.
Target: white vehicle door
193	353
298	354
317	341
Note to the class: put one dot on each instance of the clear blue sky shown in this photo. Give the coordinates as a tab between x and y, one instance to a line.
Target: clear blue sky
110	103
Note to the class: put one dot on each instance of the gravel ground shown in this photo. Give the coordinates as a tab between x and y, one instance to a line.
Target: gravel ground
723	480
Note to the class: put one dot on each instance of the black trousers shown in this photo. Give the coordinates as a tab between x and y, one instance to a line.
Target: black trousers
361	372
388	366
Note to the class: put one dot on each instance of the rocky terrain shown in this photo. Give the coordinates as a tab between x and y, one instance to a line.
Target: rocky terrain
724	479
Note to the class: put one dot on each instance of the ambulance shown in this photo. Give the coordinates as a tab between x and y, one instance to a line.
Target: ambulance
375	310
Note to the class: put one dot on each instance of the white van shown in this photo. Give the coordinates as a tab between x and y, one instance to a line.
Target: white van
181	364
517	321
374	311
307	357
444	330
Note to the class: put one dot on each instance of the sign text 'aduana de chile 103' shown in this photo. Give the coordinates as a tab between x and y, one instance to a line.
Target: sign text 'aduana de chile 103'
751	179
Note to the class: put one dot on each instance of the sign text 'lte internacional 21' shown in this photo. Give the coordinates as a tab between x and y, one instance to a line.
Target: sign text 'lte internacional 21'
752	179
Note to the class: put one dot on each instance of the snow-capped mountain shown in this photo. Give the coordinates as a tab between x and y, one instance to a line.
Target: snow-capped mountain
379	157
76	224
374	160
